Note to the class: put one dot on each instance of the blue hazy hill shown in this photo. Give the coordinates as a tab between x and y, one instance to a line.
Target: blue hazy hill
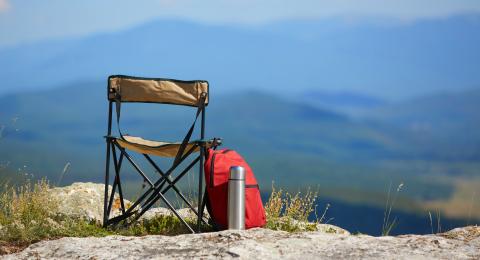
279	136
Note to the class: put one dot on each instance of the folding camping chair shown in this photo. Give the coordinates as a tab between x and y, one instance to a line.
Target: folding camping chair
154	90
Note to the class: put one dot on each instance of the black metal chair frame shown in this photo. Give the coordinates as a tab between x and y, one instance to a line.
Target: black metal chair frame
156	190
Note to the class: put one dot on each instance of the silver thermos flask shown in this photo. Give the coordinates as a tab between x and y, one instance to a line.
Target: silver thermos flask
236	198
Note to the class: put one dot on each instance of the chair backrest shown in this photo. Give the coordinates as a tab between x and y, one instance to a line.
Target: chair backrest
156	90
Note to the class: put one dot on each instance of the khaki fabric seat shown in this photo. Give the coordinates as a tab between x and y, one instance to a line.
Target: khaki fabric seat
159	148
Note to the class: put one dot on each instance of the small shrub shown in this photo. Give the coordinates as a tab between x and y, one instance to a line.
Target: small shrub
25	212
290	212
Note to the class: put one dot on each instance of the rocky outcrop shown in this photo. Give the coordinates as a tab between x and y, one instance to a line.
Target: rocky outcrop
462	243
86	200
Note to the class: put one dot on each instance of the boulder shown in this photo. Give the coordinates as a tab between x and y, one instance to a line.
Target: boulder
85	200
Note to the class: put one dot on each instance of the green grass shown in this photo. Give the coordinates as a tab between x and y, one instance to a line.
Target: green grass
28	213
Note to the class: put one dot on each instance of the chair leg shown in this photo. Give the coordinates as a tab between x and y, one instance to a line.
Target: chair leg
107	170
200	190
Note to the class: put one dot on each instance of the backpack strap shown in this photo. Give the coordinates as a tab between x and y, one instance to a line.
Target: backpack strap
201	107
206	204
118	108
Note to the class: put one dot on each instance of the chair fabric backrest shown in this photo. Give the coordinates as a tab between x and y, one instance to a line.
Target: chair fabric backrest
156	90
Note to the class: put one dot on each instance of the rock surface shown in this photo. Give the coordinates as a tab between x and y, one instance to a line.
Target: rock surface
461	243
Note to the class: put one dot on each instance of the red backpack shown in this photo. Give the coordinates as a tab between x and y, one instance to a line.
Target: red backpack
217	172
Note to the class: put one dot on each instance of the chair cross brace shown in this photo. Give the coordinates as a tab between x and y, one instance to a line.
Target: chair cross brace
148	199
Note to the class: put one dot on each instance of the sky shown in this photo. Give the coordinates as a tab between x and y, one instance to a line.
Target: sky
25	21
387	48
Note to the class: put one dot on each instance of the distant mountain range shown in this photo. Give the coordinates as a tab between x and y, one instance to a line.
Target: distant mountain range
391	60
290	142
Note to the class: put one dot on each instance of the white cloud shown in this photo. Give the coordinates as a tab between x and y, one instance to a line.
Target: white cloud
4	5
